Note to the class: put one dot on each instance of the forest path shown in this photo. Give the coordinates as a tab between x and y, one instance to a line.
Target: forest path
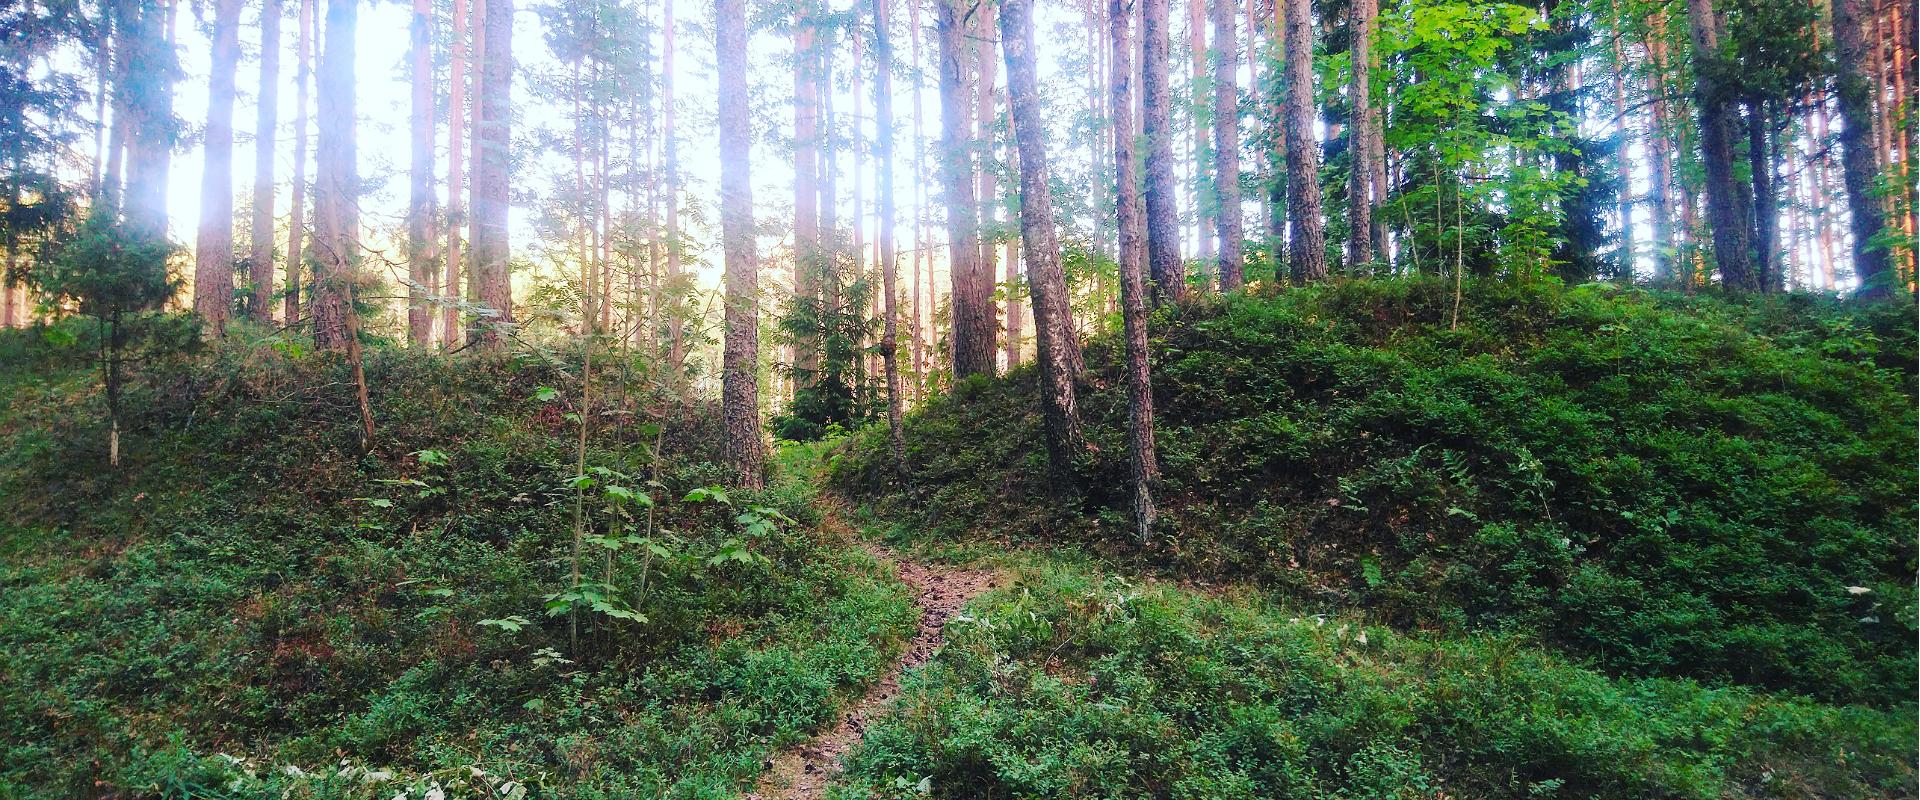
803	771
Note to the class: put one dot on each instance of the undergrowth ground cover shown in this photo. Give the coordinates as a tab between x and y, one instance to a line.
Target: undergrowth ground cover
1076	681
248	609
1650	484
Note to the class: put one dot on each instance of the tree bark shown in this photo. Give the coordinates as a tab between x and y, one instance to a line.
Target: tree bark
1055	343
297	224
1163	215
1227	219
146	93
1133	289
1766	208
1623	160
972	300
336	190
422	268
740	386
213	247
889	255
459	73
1307	251
1870	262
1275	103
1199	192
809	258
1729	209
265	136
985	116
1360	201
492	134
1662	171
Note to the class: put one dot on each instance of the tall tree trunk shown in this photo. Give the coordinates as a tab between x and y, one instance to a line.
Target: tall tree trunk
1308	249
1163	216
740	387
670	148
1057	348
1766	207
1870	262
1226	144
922	239
1662	158
809	259
1012	342
1729	209
889	255
1275	104
297	224
1199	192
492	134
146	93
1623	158
985	117
460	73
213	247
1133	263
265	136
422	268
1360	202
972	300
336	191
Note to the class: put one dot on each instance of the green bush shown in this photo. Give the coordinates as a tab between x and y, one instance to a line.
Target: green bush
251	595
1070	685
1719	488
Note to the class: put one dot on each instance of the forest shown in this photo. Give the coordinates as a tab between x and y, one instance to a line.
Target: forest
887	399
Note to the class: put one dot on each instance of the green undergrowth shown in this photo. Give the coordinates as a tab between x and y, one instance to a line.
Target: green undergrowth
1074	682
1652	484
251	608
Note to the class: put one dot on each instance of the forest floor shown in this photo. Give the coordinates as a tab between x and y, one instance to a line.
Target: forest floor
805	770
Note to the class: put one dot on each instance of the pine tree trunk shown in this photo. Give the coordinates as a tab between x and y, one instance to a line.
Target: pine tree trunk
922	239
336	190
1766	208
1055	343
421	267
492	134
972	300
889	255
265	136
1870	262
740	389
1012	342
1226	145
1275	104
985	116
809	260
1729	208
460	73
1198	103
670	149
1623	161
1133	263
1360	137
146	94
1662	158
1168	273
1307	251
213	247
297	224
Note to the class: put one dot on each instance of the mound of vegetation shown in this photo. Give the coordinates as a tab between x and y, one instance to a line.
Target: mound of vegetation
251	607
1662	485
1074	684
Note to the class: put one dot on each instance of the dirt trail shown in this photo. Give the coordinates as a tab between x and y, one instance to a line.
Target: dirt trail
803	771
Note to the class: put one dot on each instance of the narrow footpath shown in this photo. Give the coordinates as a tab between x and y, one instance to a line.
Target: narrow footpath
803	771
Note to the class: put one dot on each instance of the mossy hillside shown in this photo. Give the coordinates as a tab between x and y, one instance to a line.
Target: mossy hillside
1074	682
251	594
1661	484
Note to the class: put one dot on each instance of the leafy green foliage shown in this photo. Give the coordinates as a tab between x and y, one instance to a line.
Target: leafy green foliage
1679	486
225	606
1071	684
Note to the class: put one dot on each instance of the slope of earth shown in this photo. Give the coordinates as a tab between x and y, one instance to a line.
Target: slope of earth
1077	682
251	608
1653	485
